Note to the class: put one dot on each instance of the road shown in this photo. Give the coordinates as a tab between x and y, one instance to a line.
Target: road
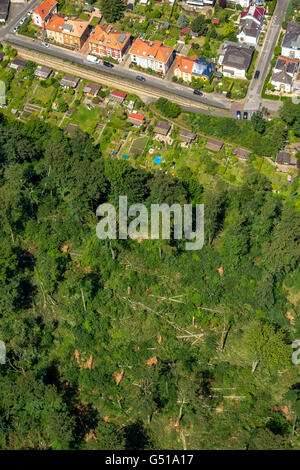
216	105
263	63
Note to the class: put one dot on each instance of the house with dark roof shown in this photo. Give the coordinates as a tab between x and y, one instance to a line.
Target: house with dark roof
18	64
42	72
68	81
290	46
242	154
4	9
235	60
286	160
187	136
92	89
162	128
214	145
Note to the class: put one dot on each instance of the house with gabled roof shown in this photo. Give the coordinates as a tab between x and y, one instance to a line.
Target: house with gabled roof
154	55
136	119
250	24
108	42
290	46
43	12
188	67
72	33
235	60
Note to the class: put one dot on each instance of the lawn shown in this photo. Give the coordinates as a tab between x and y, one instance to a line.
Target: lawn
43	96
87	119
20	91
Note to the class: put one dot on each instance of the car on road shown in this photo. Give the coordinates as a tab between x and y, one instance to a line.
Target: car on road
257	74
45	44
107	64
238	115
140	78
197	92
245	115
16	29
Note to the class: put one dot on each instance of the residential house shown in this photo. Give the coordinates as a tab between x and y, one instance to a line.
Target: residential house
188	67
43	12
154	55
4	9
290	46
42	72
187	136
136	119
108	42
18	64
117	96
285	161
284	72
68	81
71	33
214	145
250	24
235	60
242	154
162	128
92	89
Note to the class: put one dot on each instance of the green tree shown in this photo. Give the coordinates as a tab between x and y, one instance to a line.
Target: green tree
112	11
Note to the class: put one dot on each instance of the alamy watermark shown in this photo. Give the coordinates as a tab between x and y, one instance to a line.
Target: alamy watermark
2	93
188	222
2	352
296	353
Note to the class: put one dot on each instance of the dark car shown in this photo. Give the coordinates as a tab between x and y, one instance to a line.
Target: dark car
238	115
245	115
197	92
257	73
140	78
107	64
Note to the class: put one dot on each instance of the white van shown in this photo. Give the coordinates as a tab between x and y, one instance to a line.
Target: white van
92	58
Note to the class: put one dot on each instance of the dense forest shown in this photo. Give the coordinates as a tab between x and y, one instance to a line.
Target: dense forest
128	344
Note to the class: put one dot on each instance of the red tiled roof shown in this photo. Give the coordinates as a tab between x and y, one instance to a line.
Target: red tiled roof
138	117
43	9
155	50
119	93
255	12
109	37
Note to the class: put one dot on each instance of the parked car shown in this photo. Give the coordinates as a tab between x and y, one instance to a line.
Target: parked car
238	115
197	92
245	115
107	64
16	28
140	78
257	73
45	44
